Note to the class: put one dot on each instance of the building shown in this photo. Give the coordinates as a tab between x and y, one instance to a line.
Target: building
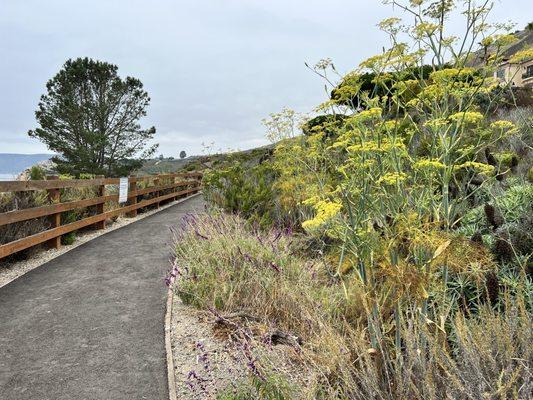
518	75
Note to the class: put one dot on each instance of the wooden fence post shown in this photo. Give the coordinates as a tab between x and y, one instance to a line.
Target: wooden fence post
198	183
173	180
157	182
132	188
100	207
54	196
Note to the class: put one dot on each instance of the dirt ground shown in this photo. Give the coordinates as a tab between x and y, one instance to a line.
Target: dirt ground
203	363
209	359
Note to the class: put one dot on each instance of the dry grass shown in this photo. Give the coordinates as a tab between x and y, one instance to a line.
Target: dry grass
19	201
442	353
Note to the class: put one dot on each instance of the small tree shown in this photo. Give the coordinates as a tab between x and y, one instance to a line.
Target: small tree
90	117
37	173
183	154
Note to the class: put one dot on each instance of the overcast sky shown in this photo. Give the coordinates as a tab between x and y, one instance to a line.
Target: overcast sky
213	68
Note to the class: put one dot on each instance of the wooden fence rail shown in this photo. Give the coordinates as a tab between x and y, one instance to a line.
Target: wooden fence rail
179	185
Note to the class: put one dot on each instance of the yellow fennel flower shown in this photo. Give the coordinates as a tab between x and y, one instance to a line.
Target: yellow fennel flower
521	56
467	117
325	212
383	146
392	178
366	115
427	164
481	168
503	126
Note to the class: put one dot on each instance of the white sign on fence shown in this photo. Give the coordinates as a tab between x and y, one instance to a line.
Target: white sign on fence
123	190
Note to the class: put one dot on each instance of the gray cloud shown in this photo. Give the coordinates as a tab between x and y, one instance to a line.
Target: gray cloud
213	68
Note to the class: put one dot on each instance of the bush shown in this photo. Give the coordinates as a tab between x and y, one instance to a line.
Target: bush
247	191
68	238
37	173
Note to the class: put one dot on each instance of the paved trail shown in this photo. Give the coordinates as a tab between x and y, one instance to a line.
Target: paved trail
89	323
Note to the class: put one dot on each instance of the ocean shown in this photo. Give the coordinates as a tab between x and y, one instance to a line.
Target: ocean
7	177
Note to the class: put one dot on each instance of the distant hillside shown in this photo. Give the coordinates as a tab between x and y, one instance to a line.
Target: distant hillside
16	163
11	163
199	163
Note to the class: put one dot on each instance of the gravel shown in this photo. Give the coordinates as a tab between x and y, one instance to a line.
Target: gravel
203	363
206	362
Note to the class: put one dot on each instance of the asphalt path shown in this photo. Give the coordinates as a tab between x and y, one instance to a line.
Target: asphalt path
89	324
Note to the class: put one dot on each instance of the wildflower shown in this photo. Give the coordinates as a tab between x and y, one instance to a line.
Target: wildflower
366	115
372	146
275	267
435	123
486	42
252	362
467	117
171	277
410	86
451	75
390	24
390	125
503	125
504	40
325	106
392	178
339	143
323	64
413	103
505	158
427	163
277	236
425	29
521	56
373	62
325	212
481	168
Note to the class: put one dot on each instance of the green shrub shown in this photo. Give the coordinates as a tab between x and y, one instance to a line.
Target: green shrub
512	204
68	238
37	173
245	191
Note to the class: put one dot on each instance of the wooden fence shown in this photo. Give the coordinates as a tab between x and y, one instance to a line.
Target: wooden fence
161	188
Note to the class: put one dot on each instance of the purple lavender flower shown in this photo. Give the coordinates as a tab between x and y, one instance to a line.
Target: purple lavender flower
275	267
252	362
173	273
276	238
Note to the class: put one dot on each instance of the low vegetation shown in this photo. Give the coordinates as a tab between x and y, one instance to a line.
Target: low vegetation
355	341
390	245
204	162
